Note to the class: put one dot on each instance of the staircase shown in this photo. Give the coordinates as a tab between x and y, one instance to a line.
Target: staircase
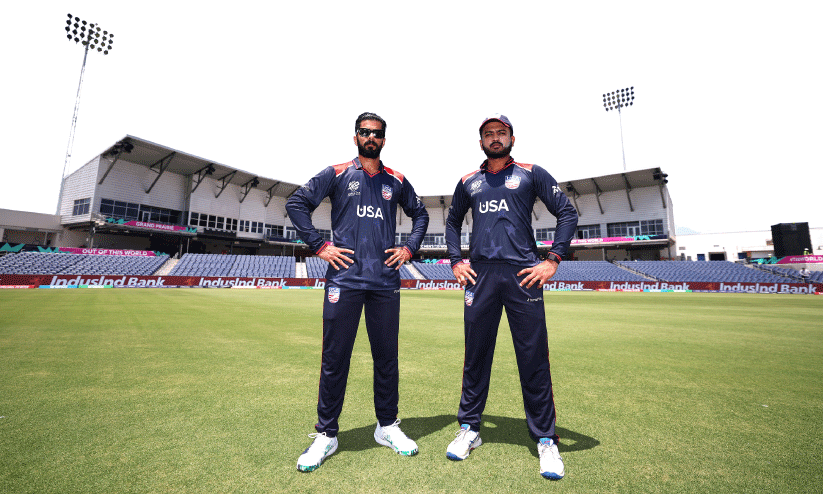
413	270
166	267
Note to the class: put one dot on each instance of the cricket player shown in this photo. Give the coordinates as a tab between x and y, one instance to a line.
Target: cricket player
504	270
363	272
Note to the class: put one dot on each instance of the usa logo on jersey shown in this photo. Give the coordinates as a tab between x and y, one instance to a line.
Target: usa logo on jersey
512	182
334	294
469	298
387	192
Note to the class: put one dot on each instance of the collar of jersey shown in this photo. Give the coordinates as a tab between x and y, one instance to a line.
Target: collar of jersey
485	166
359	166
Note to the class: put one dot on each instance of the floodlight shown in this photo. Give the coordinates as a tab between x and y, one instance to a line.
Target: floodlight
89	38
617	100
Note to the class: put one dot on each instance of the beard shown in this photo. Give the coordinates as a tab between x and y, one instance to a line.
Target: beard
500	153
369	153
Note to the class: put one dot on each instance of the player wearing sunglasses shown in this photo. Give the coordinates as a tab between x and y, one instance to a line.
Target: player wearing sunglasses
363	273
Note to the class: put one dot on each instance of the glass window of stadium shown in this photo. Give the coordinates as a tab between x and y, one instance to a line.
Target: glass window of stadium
544	234
587	231
434	239
635	228
81	206
131	211
274	230
118	209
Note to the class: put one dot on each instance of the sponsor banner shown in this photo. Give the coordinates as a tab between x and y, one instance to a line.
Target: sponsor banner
16	286
157	226
108	252
126	281
431	284
801	260
586	241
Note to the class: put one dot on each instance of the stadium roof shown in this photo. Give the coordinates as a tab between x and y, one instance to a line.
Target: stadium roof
163	158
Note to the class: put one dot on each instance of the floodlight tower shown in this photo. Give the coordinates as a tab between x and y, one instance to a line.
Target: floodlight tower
617	100
91	37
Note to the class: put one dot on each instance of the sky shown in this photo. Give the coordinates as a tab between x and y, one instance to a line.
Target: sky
727	93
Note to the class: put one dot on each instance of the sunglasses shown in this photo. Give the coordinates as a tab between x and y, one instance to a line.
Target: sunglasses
378	133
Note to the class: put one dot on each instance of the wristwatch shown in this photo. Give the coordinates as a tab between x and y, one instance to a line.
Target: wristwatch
551	256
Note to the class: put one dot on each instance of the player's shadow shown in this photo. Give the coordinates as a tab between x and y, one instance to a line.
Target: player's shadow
494	429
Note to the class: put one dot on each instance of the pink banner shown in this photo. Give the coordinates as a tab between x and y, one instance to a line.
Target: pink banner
108	252
156	226
801	260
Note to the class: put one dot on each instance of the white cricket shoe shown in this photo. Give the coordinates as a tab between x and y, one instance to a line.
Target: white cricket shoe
551	464
322	447
463	444
393	437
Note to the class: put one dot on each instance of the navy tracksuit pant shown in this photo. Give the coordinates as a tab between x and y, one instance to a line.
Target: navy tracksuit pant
342	308
496	287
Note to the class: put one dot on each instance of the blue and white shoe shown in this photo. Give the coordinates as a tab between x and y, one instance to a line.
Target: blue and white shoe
322	447
394	438
551	464
463	444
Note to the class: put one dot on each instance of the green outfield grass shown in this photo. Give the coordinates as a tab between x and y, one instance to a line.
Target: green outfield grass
206	390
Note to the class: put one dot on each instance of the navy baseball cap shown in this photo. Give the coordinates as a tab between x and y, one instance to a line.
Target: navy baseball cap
500	118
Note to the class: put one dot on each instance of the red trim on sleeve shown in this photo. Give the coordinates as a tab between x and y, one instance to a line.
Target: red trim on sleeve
323	248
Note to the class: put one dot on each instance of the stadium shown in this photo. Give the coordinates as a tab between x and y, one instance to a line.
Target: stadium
204	390
165	217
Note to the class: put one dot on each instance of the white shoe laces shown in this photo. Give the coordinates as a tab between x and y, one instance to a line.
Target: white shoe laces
394	429
461	434
552	450
316	443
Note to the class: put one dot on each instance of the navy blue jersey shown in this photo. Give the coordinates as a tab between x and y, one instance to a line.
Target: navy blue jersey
363	215
501	205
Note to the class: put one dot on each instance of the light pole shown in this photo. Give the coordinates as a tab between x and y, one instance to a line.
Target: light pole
616	100
92	37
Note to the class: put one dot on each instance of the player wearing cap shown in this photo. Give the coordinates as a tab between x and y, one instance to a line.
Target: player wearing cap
364	197
504	270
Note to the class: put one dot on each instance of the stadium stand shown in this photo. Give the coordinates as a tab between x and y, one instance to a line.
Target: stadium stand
566	271
235	265
702	271
593	271
263	266
405	273
247	266
815	276
316	267
85	264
